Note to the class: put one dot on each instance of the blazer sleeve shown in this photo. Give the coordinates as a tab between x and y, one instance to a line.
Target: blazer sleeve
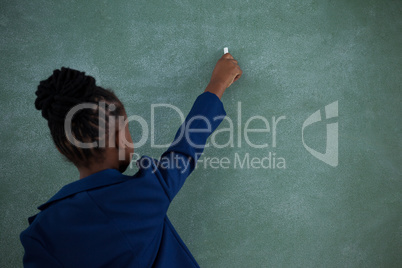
36	255
180	159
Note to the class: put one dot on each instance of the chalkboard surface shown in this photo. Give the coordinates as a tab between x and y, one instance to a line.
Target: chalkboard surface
333	196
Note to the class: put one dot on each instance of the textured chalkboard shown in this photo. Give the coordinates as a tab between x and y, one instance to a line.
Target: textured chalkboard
297	56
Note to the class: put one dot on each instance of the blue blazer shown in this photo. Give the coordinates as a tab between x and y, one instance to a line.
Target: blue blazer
112	220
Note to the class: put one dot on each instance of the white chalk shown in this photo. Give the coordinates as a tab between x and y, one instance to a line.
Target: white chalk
225	50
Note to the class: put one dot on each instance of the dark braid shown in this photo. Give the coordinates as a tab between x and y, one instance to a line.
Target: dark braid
58	94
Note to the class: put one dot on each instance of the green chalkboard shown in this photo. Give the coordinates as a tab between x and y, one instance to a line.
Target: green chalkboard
333	196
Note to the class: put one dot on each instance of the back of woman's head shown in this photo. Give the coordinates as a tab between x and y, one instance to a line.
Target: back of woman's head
57	95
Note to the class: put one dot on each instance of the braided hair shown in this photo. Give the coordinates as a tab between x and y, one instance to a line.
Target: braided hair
58	94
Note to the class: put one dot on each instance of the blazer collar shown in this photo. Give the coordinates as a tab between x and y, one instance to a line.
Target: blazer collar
99	179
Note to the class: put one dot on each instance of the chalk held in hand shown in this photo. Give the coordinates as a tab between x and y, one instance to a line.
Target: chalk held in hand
225	50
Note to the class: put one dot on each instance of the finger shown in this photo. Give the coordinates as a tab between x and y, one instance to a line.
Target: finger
238	76
227	56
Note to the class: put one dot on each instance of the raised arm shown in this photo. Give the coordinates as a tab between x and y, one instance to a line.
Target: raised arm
207	113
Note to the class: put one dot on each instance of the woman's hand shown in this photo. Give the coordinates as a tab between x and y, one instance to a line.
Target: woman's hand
226	72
